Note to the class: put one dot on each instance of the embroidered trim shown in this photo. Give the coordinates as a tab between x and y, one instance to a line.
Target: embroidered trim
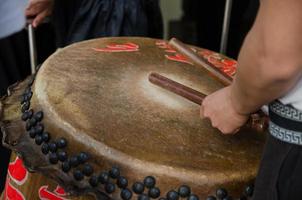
286	111
285	135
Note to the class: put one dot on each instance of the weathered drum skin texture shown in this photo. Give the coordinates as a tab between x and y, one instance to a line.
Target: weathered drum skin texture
97	96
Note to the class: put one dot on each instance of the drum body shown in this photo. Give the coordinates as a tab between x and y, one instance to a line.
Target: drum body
100	129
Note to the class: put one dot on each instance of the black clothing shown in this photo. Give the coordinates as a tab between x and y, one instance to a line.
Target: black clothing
280	174
77	20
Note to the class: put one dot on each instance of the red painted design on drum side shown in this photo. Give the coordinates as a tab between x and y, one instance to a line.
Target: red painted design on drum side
17	172
60	191
45	194
171	53
12	193
126	47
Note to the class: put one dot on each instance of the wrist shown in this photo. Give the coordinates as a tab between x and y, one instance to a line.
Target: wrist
238	103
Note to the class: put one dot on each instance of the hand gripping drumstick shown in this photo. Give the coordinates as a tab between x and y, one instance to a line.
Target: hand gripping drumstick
258	121
198	60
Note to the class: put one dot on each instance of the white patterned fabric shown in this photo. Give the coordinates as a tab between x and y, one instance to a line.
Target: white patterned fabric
294	97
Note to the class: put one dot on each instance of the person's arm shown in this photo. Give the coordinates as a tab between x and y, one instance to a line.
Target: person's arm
39	10
269	65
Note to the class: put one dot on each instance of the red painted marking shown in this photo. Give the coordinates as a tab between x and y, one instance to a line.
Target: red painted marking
170	51
178	58
44	194
163	45
60	191
126	47
12	193
17	172
228	66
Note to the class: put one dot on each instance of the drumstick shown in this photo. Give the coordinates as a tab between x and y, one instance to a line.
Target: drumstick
192	56
177	88
257	121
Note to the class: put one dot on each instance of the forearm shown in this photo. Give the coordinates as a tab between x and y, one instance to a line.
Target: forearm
254	87
270	63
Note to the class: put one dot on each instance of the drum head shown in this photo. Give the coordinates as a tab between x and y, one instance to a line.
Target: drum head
97	95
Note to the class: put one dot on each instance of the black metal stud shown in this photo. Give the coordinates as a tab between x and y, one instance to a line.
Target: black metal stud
61	143
24	116
23	99
83	157
32	133
45	148
74	161
114	172
53	158
27	115
25	106
27	96
78	175
30	113
122	182
193	197
93	181
66	166
104	177
31	123
62	156
38	139
211	198
249	190
143	197
52	146
149	181
126	194
221	193
172	195
184	191
138	188
154	192
109	188
45	136
39	116
39	129
87	169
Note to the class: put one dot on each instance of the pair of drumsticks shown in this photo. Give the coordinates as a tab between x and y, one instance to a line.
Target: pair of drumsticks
257	121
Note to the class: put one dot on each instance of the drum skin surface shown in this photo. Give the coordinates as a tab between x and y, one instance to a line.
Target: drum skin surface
96	94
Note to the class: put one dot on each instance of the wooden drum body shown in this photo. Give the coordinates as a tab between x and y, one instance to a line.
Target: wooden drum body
107	124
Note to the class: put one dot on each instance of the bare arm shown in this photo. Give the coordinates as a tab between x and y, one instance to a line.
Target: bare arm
270	62
269	65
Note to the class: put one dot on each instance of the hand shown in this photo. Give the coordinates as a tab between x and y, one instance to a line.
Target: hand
39	9
218	107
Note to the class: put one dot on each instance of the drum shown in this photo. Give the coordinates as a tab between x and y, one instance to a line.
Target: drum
91	125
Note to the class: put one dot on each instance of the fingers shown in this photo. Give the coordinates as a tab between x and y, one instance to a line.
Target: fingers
39	18
39	10
215	121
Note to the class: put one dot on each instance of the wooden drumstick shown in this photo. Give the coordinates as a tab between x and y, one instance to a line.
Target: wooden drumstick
258	121
198	60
